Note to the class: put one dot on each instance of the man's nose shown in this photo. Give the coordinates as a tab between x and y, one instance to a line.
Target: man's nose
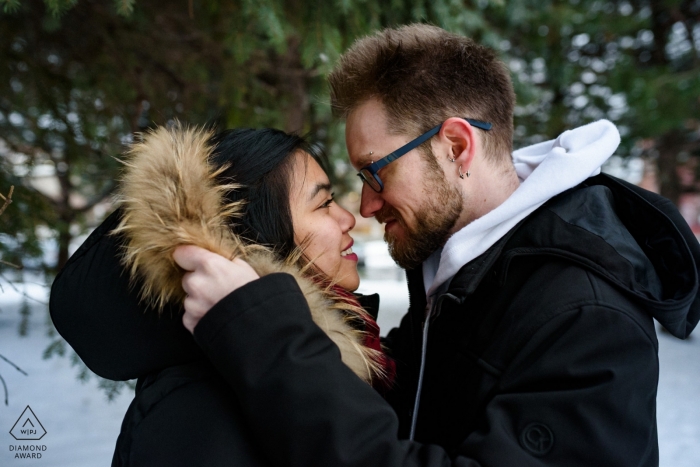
370	202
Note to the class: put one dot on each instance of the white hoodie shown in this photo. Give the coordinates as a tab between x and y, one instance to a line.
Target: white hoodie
545	170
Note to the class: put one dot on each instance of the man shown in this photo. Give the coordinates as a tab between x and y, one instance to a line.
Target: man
533	281
529	339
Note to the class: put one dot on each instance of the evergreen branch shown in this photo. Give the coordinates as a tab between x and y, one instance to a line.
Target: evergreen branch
22	293
13	365
9	6
7	200
4	386
57	7
125	7
12	265
108	190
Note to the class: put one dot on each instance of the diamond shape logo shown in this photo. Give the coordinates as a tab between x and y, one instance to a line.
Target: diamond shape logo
28	427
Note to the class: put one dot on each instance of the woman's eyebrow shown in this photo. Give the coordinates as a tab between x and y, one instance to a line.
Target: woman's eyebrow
318	188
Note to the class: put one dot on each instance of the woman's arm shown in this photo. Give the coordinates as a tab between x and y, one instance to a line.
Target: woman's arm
307	408
301	401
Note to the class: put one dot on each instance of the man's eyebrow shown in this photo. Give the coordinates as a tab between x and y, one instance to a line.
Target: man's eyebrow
364	161
319	188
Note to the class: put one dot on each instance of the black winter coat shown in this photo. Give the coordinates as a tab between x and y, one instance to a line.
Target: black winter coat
542	352
183	413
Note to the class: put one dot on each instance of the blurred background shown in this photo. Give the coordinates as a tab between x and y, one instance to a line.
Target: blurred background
79	79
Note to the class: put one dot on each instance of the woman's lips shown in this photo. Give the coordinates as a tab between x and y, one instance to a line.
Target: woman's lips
351	257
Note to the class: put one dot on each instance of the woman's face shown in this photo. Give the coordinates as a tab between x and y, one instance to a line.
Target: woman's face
320	224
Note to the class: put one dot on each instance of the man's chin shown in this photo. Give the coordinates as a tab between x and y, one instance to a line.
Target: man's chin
398	235
401	251
409	249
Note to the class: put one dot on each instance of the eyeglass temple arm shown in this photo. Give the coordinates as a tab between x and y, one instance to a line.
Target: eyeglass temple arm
406	148
486	126
420	140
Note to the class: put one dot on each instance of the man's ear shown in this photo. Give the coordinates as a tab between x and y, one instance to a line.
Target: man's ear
459	138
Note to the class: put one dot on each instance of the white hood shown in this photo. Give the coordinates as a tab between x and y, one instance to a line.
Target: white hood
545	170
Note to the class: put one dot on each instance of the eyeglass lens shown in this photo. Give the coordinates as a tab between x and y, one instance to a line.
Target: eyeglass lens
367	176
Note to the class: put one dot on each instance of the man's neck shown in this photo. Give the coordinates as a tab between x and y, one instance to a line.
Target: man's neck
488	191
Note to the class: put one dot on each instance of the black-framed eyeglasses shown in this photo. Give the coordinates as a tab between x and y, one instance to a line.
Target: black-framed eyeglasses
368	174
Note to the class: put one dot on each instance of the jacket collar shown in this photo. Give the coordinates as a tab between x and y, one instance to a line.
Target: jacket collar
652	239
466	280
370	303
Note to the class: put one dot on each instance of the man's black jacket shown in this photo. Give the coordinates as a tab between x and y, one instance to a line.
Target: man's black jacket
543	351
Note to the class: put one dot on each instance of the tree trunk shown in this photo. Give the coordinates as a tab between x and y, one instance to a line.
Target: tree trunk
669	145
294	82
64	239
661	22
65	212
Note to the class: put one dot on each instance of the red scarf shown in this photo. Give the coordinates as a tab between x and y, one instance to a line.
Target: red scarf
373	341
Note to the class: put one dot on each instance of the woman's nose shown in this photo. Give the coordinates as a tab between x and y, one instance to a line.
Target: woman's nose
346	219
370	201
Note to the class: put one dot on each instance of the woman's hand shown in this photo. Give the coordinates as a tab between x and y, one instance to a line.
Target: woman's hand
210	278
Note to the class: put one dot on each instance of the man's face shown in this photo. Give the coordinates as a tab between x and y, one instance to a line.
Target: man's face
418	205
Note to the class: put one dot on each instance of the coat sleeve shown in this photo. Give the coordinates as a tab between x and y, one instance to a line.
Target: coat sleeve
308	409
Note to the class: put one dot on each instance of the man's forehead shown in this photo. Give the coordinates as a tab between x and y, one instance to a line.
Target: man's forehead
363	149
365	130
360	146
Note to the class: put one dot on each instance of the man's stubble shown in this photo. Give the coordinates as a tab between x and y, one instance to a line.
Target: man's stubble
434	219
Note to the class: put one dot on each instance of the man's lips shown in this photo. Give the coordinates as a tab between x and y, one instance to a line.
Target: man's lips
390	218
390	224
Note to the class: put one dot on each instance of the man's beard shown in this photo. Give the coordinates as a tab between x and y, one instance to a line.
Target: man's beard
433	222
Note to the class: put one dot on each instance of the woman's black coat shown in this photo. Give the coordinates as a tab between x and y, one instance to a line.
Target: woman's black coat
184	413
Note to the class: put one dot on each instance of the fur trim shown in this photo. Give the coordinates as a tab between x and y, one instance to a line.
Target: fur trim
170	197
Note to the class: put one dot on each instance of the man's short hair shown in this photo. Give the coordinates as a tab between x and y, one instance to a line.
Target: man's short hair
424	75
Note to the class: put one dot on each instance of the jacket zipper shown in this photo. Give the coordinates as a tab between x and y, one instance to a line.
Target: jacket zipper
424	347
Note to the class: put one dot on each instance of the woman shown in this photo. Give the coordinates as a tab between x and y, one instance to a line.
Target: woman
178	190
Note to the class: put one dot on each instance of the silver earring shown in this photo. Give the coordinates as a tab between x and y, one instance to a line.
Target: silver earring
461	175
451	159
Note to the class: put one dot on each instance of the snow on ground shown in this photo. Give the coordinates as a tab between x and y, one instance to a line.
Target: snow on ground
82	426
678	401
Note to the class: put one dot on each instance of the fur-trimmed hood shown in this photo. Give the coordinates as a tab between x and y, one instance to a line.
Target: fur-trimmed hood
170	196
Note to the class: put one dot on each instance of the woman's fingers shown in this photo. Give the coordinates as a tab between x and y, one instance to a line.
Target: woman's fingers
210	278
189	257
193	313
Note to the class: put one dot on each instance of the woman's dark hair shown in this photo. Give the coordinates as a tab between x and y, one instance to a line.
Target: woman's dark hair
261	161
